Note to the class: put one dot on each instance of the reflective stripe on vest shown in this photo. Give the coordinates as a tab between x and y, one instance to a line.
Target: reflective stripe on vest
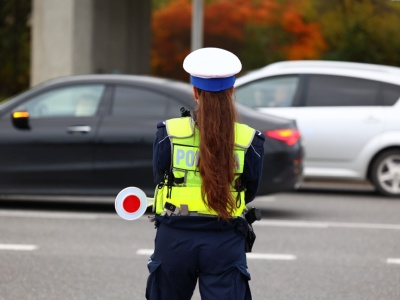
185	156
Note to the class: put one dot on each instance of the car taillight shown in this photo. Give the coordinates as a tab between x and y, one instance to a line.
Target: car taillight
289	136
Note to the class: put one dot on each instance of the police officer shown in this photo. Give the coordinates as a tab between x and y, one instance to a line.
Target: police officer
208	168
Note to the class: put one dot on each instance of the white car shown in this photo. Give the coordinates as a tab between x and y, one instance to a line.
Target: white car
348	115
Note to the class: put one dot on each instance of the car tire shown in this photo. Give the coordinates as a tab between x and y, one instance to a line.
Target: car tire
385	173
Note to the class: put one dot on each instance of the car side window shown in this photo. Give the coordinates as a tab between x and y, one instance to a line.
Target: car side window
139	102
391	94
70	101
327	90
268	92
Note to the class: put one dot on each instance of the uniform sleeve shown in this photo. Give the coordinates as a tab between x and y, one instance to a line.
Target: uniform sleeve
253	164
161	153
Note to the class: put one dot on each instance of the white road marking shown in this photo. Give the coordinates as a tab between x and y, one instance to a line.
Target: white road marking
144	252
270	256
265	199
366	225
274	223
324	225
47	215
249	255
393	261
18	247
291	224
58	215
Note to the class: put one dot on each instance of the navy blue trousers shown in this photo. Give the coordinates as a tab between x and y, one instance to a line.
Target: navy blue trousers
214	257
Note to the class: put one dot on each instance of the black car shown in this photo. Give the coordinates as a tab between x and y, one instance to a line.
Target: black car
93	135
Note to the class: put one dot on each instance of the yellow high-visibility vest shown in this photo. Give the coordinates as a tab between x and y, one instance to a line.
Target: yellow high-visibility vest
186	189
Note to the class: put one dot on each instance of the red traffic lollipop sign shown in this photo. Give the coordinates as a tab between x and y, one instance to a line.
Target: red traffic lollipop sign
131	203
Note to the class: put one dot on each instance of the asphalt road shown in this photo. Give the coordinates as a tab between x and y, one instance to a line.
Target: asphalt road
310	245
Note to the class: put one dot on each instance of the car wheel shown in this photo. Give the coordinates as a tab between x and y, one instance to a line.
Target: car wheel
386	173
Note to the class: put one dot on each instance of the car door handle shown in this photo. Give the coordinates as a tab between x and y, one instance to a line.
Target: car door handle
79	129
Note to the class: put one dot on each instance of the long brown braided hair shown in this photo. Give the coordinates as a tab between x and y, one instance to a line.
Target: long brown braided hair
216	115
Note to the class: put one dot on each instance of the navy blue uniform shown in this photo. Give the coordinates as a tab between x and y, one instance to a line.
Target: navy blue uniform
188	248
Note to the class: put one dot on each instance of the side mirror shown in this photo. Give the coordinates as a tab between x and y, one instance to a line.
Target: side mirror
20	119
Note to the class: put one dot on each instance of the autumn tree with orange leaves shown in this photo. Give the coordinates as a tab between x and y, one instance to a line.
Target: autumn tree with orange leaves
357	30
258	31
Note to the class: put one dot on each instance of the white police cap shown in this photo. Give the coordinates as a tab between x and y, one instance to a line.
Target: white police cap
212	69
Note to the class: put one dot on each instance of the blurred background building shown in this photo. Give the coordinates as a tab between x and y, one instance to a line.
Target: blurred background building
89	36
